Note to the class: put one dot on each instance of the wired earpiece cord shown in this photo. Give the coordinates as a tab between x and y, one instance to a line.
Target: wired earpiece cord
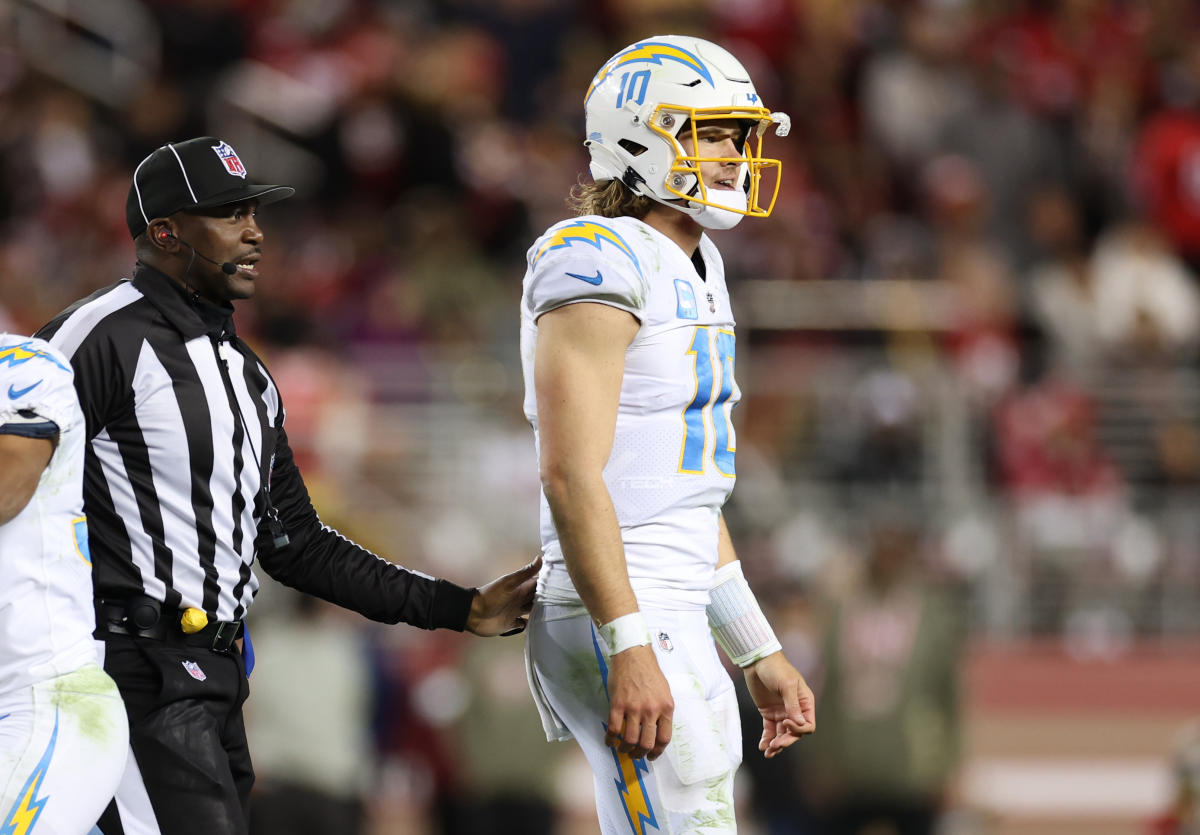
188	292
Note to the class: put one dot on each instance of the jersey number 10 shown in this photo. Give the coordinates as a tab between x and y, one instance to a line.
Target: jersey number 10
708	406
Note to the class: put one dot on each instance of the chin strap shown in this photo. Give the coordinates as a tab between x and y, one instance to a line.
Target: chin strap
717	218
633	181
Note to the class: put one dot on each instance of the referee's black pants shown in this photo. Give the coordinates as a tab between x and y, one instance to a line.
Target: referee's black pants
187	734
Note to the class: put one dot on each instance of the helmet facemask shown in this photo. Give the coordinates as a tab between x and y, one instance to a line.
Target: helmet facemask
757	179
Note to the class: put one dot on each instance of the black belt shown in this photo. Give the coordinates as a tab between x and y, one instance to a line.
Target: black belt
142	617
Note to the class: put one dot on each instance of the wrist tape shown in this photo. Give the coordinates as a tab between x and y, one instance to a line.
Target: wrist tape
625	632
737	620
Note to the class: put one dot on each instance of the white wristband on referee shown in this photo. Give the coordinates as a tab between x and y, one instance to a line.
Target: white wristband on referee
625	632
737	620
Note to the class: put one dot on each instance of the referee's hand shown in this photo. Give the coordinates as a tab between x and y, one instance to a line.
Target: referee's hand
502	606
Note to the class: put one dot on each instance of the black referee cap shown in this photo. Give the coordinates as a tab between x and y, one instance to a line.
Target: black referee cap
200	173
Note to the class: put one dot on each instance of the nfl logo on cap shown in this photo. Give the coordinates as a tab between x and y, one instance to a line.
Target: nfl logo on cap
229	156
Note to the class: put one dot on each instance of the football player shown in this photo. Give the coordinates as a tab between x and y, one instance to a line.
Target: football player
64	738
628	348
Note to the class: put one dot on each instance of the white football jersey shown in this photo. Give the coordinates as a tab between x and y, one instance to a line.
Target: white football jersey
672	462
46	613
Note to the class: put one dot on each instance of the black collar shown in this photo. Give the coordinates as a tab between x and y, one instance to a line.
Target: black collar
187	312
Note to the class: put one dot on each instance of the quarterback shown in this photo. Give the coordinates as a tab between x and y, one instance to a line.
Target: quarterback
63	733
628	348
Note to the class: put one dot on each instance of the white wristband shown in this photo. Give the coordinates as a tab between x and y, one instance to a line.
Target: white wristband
736	619
625	632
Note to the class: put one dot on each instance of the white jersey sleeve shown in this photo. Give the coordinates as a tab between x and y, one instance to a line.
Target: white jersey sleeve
39	392
584	260
46	614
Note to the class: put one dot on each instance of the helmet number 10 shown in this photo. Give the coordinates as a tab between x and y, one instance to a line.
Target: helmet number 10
633	87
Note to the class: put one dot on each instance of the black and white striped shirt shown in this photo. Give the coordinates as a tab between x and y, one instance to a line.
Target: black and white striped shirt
184	425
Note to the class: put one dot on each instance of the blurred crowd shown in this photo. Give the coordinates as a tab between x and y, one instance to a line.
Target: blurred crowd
1020	177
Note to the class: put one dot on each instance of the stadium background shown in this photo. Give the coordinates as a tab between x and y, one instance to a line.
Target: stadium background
968	332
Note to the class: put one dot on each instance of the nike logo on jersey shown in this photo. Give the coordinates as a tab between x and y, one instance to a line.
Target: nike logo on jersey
5	716
13	393
590	279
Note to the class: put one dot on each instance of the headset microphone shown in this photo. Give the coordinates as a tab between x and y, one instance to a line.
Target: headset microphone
227	267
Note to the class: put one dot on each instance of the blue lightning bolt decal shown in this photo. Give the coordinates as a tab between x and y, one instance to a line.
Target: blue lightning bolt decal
28	808
630	783
633	792
650	52
17	354
588	232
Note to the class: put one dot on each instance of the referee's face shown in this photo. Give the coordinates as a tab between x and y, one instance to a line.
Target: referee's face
226	234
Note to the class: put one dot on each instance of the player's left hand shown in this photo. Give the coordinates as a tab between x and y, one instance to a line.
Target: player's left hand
502	606
785	701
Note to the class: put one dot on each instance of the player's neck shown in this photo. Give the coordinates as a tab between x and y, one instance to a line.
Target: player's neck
677	226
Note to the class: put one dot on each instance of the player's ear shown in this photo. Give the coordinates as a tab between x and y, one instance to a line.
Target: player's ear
161	233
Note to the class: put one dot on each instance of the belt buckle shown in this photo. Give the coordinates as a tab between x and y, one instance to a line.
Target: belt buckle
224	637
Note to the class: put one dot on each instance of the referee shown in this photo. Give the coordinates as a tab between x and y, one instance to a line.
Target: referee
189	479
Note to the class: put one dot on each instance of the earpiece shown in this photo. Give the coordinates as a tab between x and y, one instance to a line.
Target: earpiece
227	267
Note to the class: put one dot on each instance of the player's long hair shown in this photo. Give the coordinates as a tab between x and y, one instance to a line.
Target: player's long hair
608	198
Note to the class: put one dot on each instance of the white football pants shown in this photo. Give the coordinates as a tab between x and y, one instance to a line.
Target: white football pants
63	746
689	789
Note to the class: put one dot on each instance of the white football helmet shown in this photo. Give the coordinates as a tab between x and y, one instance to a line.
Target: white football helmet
638	106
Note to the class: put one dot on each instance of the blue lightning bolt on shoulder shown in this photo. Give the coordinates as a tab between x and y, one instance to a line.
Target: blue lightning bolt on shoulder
586	232
22	353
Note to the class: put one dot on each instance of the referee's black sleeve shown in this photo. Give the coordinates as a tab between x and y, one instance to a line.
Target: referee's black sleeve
321	562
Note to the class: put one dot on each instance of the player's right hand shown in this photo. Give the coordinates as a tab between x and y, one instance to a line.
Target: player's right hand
641	707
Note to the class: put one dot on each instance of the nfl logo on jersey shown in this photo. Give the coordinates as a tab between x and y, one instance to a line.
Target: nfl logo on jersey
194	670
229	156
